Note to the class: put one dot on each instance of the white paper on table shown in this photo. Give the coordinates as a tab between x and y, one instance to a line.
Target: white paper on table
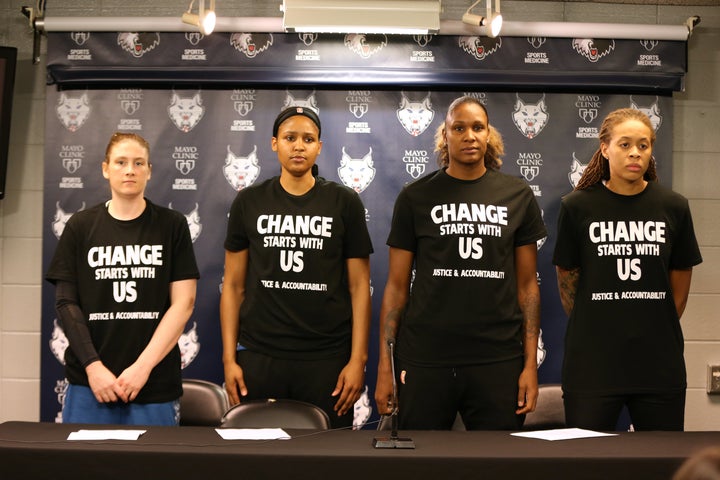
106	434
563	434
252	433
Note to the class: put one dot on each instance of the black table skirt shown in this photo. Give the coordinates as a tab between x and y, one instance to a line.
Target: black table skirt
40	451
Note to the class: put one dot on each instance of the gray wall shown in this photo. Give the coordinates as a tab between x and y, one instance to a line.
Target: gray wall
696	166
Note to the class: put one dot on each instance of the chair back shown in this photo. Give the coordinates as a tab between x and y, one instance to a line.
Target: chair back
203	403
276	413
550	410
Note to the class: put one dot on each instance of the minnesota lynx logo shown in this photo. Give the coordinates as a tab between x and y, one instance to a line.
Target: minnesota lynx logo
58	342
480	47
576	171
541	352
308	102
415	117
356	173
138	44
530	118
365	45
189	346
241	172
653	112
61	218
251	44
186	112
362	410
193	221
593	49
73	112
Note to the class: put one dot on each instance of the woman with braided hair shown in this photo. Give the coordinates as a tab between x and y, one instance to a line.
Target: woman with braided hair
624	255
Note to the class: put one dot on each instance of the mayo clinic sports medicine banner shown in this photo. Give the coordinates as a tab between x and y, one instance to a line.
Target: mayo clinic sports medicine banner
206	105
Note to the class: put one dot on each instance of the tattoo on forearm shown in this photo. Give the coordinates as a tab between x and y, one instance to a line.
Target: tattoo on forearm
392	323
530	306
567	286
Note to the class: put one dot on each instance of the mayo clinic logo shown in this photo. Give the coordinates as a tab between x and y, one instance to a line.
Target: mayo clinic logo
415	162
80	37
358	102
529	164
588	107
243	101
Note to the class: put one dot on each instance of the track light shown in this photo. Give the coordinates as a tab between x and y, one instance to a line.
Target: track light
204	19
492	21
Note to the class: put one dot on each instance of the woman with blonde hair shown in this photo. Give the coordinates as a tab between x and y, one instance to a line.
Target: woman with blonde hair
467	330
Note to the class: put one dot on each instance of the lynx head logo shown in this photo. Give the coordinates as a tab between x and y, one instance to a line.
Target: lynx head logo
58	342
415	117
138	44
362	410
541	242
80	37
593	49
530	118
309	102
193	221
541	352
365	45
186	112
251	44
73	112
480	47
61	218
241	172
576	171
653	112
356	173
189	346
194	37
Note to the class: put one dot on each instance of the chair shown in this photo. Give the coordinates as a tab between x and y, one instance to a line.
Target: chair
203	403
276	413
550	410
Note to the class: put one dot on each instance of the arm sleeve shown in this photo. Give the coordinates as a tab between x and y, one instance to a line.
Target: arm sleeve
74	323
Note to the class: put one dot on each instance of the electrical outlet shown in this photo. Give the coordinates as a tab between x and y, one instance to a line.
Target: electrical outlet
713	379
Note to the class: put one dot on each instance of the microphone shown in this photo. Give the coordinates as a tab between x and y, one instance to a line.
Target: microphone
393	441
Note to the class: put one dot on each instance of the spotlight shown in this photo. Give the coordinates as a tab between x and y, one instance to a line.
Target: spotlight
492	21
204	20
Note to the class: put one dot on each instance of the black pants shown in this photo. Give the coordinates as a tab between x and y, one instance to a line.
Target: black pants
310	381
656	411
484	395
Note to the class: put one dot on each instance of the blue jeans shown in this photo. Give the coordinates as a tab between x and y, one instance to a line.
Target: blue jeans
81	407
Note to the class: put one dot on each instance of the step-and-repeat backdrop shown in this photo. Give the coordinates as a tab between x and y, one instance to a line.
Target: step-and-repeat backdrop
207	110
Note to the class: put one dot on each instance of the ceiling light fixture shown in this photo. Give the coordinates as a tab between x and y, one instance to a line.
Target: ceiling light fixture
361	16
204	19
492	21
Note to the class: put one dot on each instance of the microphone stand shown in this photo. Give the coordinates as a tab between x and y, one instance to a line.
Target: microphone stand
393	441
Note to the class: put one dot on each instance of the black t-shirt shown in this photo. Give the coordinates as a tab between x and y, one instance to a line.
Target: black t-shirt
624	334
297	302
463	306
122	270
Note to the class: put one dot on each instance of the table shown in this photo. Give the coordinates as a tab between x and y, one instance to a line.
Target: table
31	450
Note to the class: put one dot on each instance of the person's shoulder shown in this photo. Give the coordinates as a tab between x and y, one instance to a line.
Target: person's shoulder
159	212
667	195
86	214
335	188
427	180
